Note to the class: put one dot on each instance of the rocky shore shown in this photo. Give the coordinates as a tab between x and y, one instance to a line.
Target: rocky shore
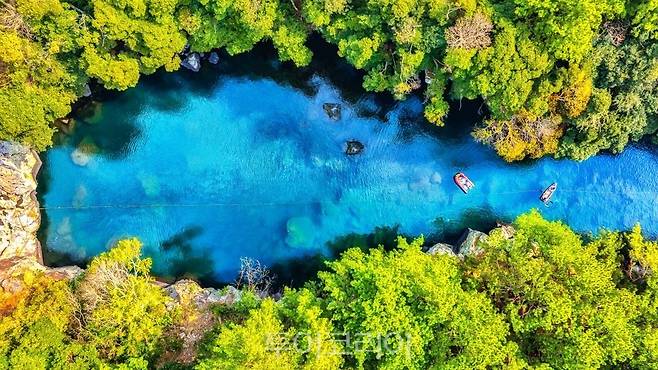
20	250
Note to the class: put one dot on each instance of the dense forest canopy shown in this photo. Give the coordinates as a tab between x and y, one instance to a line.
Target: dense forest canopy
539	297
559	77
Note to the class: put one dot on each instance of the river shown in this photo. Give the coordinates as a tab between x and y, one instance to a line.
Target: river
207	168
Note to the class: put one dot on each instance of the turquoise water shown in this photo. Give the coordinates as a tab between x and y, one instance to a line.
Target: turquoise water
209	168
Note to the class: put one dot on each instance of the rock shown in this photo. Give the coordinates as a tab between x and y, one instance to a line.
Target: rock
507	231
231	295
189	292
333	110
354	147
213	58
19	210
86	91
468	243
64	273
441	248
435	178
192	62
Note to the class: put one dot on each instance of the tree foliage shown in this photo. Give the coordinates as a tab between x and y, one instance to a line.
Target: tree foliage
545	61
542	297
112	316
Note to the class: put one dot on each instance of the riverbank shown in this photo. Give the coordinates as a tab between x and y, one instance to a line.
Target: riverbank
20	218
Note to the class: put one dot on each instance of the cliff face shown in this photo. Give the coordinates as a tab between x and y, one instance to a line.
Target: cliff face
20	250
19	209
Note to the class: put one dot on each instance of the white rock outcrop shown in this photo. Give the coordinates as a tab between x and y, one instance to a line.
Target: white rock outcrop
19	208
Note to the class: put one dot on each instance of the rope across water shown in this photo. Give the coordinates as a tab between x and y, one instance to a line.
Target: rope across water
302	203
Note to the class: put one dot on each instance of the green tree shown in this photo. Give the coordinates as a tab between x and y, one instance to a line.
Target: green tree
414	303
558	294
33	335
130	37
124	314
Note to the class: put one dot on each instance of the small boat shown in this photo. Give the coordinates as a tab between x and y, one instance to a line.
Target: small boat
463	182
546	195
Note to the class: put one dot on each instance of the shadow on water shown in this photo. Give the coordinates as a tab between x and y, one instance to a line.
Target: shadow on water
449	231
186	259
296	271
262	63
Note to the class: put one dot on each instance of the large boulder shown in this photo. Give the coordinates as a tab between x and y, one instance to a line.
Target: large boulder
192	62
354	147
441	248
469	243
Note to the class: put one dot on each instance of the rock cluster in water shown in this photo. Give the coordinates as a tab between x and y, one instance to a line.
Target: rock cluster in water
333	110
354	147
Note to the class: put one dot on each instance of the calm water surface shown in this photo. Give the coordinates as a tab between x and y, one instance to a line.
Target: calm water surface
209	168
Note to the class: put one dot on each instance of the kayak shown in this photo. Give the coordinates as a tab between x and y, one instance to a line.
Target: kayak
463	182
546	195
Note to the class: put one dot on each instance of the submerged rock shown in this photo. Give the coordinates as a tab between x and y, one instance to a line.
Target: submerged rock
300	232
192	62
213	58
150	184
333	110
354	147
84	152
80	197
468	243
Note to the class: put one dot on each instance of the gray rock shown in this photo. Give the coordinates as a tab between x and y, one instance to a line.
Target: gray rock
86	91
354	147
469	243
231	296
213	58
333	110
192	62
441	248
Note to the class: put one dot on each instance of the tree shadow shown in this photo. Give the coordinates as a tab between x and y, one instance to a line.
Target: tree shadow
185	259
297	271
449	231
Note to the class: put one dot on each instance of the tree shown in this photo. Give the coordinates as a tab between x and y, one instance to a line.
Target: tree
33	334
38	80
123	313
132	37
406	309
623	106
558	294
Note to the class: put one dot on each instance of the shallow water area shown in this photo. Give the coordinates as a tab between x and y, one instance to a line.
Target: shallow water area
206	169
